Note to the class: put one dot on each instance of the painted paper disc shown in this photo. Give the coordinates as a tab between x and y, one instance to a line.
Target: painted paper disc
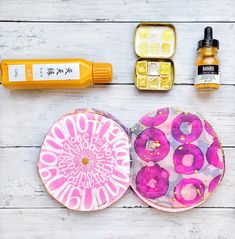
177	159
84	161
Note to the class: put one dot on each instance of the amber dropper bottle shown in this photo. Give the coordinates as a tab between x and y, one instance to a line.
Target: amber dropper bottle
207	63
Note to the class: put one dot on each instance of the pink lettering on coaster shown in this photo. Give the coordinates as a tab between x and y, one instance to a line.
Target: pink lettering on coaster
84	161
177	159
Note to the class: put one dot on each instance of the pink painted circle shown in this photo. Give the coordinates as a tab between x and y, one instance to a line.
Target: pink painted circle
188	150
152	153
84	161
177	159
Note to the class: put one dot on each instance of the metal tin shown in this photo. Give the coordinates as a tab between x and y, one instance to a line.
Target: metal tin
154	79
155	44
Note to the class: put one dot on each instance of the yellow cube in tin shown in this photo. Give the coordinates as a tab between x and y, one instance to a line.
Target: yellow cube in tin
141	67
142	81
165	68
166	82
154	68
153	82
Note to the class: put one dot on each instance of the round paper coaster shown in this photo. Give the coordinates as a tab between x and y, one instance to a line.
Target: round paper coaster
177	159
84	161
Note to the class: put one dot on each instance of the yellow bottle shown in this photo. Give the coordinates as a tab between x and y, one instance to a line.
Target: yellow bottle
207	63
53	73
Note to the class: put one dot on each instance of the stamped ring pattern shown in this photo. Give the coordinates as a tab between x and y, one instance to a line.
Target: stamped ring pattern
177	159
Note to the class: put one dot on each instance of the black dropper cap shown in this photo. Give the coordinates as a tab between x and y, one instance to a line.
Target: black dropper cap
208	40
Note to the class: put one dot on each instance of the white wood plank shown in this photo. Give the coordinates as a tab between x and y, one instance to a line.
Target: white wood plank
111	10
112	42
26	210
117	223
21	186
26	116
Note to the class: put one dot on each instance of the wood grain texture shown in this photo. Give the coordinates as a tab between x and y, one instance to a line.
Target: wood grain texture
22	187
117	223
112	42
111	10
104	31
26	116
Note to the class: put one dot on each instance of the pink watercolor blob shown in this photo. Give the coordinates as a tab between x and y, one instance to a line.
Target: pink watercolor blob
184	164
213	183
214	154
194	192
156	118
158	145
152	182
195	125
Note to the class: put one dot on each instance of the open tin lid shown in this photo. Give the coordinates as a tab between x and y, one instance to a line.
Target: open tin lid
177	159
155	40
84	161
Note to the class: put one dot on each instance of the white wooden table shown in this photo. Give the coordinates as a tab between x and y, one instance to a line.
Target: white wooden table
103	31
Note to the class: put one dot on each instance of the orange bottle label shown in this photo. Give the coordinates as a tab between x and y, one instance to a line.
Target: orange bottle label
44	72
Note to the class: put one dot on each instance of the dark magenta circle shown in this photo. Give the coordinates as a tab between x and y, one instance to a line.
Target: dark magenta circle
196	130
212	154
198	184
152	181
152	135
181	152
160	116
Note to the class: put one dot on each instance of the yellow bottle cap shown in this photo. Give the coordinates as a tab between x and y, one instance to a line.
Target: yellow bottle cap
102	73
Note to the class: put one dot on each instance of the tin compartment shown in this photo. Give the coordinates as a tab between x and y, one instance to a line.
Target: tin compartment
154	42
157	75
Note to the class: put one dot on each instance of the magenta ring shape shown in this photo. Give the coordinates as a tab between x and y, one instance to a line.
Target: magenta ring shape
213	183
156	173
196	127
188	149
198	184
158	119
209	129
212	155
152	134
